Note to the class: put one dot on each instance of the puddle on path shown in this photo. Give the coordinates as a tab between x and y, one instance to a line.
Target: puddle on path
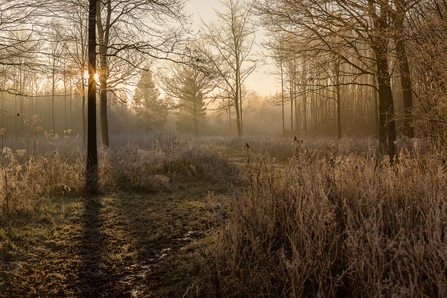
140	270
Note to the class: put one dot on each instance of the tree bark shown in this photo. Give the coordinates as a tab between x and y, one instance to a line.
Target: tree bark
236	104
282	100
338	95
195	116
53	86
387	130
387	134
404	69
103	39
291	98
92	150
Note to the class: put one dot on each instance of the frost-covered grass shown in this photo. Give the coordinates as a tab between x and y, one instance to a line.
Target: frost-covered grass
57	168
283	148
133	239
338	223
323	218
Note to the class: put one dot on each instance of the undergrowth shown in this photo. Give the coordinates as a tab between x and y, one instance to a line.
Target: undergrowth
341	225
28	180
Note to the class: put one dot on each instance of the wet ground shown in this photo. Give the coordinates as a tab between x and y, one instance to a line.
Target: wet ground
122	245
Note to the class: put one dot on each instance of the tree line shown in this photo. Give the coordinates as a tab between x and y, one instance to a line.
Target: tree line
343	67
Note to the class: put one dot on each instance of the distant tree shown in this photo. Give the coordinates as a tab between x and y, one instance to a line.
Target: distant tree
230	41
190	88
129	30
192	110
358	33
148	105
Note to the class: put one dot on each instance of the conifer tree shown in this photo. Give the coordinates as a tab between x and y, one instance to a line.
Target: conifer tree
148	105
192	109
190	88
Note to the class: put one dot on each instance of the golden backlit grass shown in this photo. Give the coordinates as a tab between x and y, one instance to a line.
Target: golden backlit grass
343	225
325	219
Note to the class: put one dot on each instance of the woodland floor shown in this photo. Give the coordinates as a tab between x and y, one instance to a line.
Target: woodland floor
118	245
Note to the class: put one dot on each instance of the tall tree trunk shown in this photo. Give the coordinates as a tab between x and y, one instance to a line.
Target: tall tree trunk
22	103
53	84
92	149
387	136
229	114
297	110
376	105
195	116
405	76
65	99
304	75
338	95
387	130
282	101
241	109
103	39
236	105
83	111
238	118
2	98
291	98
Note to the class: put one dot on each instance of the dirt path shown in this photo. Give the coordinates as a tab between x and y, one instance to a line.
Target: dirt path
122	245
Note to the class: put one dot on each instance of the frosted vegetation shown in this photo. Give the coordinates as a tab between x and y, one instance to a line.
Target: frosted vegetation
184	207
325	218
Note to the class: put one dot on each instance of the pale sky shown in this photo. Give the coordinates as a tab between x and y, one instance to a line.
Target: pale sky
259	80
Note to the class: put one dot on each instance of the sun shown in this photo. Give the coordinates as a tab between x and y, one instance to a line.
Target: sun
86	76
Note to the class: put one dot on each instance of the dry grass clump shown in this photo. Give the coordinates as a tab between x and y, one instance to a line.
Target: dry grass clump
28	179
283	148
158	165
352	227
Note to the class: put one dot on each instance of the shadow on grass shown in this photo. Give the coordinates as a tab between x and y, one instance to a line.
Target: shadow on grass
91	277
159	227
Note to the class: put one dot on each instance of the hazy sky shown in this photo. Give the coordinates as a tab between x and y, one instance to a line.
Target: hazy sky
259	81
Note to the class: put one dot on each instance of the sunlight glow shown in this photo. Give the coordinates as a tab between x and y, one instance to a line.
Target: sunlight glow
86	77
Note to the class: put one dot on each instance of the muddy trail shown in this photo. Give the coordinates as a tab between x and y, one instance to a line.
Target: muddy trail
119	245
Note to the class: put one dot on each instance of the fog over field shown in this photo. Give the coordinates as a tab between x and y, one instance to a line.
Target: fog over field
232	148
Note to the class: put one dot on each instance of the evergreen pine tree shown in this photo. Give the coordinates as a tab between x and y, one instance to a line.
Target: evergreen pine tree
148	105
192	109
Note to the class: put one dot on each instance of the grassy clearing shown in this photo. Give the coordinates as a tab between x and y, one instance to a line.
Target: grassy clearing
116	245
182	219
141	237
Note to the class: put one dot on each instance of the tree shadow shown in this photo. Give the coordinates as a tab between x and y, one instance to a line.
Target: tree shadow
91	275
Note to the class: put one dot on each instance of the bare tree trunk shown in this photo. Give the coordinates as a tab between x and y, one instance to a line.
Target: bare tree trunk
387	136
376	105
229	114
304	95
65	99
236	104
291	98
92	150
405	81
404	67
53	86
241	117
195	116
84	121
22	103
338	95
103	33
282	101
